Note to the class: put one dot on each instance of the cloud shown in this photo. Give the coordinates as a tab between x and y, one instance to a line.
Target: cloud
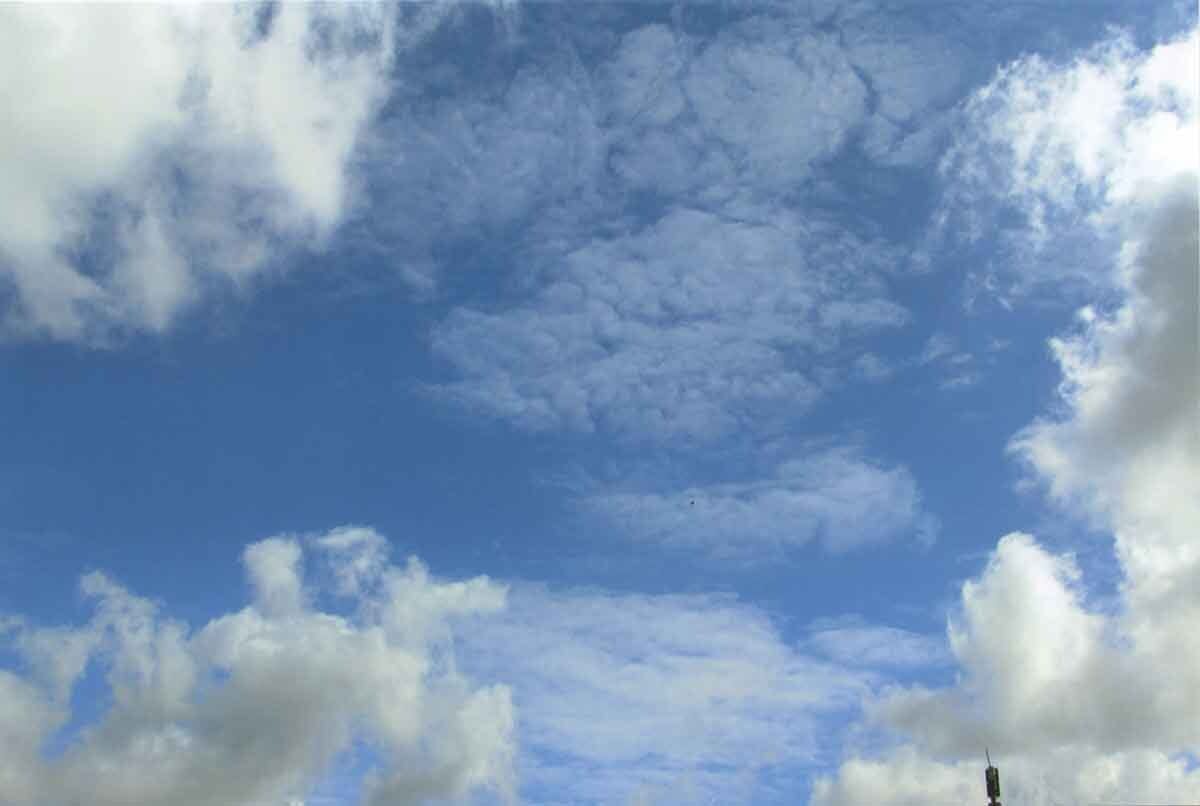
854	643
154	153
953	365
760	107
259	705
351	679
474	167
1131	388
913	71
756	95
1081	706
611	116
1056	147
1125	449
907	778
937	347
1088	704
731	115
682	284
961	380
872	368
689	328
628	698
691	296
836	497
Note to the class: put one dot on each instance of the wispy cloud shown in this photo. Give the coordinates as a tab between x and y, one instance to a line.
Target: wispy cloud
835	497
627	698
855	643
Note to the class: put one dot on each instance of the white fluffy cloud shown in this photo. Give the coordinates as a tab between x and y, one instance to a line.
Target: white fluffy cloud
1088	704
1077	705
350	679
1065	146
836	497
258	706
151	152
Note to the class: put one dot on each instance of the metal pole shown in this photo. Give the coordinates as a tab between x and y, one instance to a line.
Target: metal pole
992	777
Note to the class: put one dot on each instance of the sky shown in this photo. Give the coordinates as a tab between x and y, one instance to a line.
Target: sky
649	403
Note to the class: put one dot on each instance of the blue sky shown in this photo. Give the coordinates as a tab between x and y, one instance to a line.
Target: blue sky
612	403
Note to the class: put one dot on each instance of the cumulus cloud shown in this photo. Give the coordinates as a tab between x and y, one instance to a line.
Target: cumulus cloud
1083	707
628	698
348	678
1130	451
689	328
154	152
836	497
908	778
1089	704
259	705
1056	147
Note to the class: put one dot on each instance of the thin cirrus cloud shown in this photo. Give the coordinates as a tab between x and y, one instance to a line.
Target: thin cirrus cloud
627	698
836	498
854	643
1089	704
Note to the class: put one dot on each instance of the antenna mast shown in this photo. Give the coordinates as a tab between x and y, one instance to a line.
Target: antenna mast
992	777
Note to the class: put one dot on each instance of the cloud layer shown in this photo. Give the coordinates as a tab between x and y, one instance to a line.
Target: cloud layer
686	282
687	271
1088	704
688	329
835	497
627	698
